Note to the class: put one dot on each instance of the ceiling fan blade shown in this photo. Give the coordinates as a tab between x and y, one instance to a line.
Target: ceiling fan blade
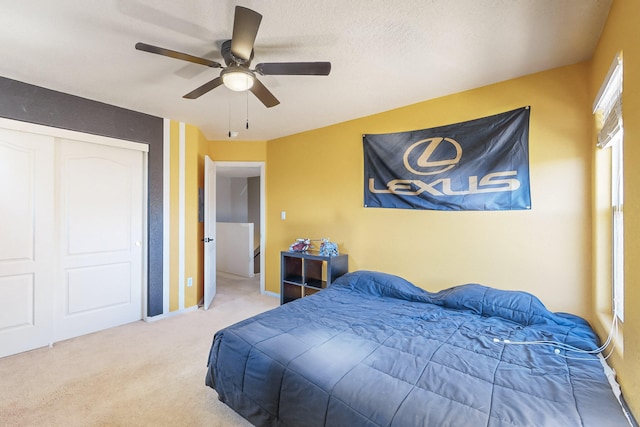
204	88
263	94
294	68
177	55
245	29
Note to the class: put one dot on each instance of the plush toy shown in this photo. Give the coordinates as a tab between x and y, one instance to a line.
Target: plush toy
300	245
328	248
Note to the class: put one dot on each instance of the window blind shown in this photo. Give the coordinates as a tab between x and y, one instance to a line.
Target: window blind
608	106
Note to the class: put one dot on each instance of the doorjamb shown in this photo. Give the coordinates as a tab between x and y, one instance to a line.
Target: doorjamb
263	222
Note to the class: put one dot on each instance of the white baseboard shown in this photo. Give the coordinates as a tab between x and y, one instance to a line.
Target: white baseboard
170	314
271	294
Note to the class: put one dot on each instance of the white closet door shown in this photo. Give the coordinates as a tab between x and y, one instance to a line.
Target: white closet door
100	214
26	241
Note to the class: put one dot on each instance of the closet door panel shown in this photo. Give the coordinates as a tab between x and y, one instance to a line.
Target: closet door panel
26	243
101	210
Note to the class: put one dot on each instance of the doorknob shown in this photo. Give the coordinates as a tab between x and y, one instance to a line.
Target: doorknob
207	240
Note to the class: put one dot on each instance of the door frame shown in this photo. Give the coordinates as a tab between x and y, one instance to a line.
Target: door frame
263	222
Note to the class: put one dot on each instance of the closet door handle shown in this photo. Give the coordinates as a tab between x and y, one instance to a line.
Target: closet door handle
206	240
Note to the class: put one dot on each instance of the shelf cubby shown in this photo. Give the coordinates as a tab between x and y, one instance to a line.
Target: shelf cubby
305	273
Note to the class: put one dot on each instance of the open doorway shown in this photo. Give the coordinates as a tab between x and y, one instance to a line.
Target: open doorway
240	210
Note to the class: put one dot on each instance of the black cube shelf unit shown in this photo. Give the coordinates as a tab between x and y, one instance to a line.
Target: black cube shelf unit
305	273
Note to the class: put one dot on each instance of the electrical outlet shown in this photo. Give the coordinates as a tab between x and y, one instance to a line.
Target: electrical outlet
189	282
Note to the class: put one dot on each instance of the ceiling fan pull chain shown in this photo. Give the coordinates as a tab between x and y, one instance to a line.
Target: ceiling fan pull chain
229	104
247	124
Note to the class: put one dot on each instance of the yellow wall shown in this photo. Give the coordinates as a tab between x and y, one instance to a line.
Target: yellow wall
317	178
622	33
194	147
240	151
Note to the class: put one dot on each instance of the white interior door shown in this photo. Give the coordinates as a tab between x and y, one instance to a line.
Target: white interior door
26	227
100	214
209	231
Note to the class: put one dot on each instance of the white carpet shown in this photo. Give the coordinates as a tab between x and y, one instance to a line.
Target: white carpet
138	374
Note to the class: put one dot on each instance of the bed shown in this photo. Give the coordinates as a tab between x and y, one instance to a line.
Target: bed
375	350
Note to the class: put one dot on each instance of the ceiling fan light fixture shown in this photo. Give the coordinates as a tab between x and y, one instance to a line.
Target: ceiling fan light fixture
237	78
237	54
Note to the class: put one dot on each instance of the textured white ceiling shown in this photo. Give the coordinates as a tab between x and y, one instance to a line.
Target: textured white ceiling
384	53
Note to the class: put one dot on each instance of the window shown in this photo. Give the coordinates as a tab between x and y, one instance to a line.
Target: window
608	113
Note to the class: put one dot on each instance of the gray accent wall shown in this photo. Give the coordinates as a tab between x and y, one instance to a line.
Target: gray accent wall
34	104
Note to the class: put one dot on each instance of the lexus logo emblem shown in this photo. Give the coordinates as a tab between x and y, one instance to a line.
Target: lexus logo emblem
422	164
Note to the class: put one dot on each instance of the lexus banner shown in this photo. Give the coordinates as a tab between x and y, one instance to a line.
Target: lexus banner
481	164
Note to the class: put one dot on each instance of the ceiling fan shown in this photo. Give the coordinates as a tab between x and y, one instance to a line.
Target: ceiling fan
237	54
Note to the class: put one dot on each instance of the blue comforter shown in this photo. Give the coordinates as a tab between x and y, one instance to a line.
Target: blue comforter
374	350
